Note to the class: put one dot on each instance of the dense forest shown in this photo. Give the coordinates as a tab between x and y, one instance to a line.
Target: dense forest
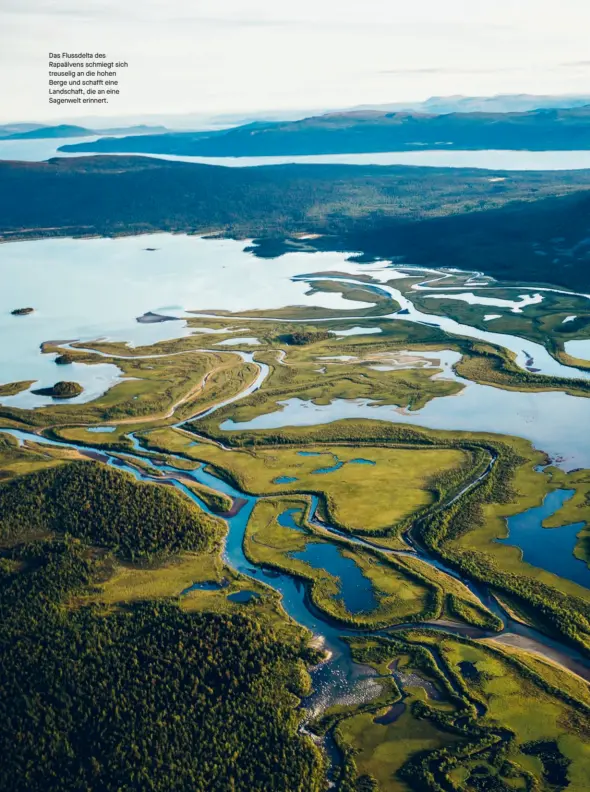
530	226
139	697
107	508
370	130
142	698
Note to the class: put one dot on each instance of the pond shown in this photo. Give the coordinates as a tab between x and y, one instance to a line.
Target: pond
206	585
287	520
356	591
101	429
239	341
548	548
243	597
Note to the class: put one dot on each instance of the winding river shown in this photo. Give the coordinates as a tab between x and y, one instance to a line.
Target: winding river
552	420
339	680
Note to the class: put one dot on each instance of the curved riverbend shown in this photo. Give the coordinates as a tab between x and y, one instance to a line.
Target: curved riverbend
339	678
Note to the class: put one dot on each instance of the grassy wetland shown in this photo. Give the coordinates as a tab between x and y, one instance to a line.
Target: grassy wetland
349	597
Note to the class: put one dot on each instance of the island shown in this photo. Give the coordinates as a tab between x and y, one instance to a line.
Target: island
154	318
64	360
61	390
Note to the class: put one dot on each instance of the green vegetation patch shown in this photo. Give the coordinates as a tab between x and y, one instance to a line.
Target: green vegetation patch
374	488
12	388
147	697
107	508
482	736
401	594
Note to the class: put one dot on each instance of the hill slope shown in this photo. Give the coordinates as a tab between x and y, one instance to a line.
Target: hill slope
372	131
531	226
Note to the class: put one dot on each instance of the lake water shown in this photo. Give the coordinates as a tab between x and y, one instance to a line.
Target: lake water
578	349
112	281
37	150
96	288
356	591
548	548
553	421
495	160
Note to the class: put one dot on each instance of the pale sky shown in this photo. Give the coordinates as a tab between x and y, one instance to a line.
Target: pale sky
233	56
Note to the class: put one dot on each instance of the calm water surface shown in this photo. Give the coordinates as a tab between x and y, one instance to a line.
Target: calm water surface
96	288
548	548
356	590
500	159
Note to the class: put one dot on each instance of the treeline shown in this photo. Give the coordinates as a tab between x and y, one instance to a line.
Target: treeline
107	508
145	698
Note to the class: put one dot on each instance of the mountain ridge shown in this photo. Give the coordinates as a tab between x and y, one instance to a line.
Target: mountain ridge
366	131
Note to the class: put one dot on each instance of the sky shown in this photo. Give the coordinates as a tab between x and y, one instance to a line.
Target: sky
235	56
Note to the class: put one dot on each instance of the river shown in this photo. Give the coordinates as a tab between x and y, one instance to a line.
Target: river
552	420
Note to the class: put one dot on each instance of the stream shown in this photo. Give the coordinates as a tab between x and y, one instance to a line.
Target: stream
339	680
551	420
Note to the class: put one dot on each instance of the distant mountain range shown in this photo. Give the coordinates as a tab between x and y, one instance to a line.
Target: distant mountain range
363	131
38	132
503	103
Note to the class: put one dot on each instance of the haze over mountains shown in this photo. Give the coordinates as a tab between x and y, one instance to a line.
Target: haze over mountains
40	131
364	131
504	103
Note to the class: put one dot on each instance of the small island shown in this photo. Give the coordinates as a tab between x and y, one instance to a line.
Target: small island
154	318
22	311
61	390
303	337
64	360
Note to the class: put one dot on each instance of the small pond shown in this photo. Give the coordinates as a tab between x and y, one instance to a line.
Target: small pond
243	597
356	591
101	429
287	520
548	548
206	585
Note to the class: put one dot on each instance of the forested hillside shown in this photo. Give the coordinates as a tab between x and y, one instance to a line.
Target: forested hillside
143	697
106	508
527	226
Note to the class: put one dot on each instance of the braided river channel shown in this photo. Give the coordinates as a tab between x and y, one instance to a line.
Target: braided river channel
111	282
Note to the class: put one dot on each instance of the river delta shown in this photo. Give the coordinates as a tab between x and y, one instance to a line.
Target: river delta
410	487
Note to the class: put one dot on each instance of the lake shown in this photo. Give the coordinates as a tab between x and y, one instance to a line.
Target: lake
356	591
85	289
495	160
110	282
